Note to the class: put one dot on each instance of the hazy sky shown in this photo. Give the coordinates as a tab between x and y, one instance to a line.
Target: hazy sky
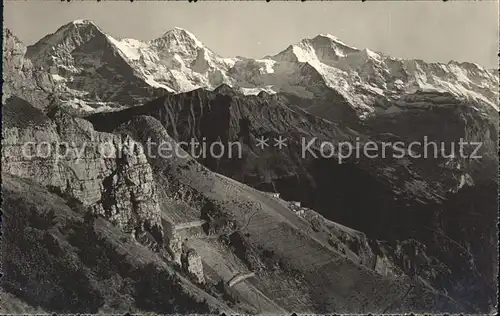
433	31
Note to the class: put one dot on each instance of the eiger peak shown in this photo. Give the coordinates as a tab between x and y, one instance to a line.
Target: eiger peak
82	24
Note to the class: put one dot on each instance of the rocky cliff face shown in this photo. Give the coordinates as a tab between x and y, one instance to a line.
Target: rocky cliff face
192	263
104	172
21	77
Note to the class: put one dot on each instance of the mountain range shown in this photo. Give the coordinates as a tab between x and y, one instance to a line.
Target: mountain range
270	231
80	57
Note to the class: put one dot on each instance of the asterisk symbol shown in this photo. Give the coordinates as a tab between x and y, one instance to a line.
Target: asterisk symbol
280	142
262	142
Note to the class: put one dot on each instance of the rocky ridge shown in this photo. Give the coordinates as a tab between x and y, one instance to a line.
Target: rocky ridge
21	77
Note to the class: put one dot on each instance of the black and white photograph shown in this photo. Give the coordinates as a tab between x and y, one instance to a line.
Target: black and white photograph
249	157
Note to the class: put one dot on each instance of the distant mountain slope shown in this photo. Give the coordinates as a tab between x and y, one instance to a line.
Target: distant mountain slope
228	115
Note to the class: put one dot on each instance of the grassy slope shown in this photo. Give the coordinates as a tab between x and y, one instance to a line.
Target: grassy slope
320	279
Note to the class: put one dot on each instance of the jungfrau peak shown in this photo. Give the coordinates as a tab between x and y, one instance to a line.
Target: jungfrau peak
323	48
368	81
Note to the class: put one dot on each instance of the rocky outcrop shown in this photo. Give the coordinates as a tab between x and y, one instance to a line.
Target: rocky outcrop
174	245
20	76
177	233
192	264
129	196
107	173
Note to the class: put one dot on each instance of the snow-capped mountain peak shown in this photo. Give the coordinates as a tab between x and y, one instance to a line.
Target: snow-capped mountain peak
65	39
80	26
178	40
81	22
324	48
334	39
181	34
